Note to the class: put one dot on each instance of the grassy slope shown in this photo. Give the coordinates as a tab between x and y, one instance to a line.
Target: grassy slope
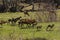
13	32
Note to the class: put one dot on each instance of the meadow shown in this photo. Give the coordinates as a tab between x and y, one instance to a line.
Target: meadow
8	32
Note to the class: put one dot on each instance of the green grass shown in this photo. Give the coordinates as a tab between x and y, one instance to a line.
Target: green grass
16	32
9	32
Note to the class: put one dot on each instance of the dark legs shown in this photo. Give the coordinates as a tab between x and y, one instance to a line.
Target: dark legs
49	28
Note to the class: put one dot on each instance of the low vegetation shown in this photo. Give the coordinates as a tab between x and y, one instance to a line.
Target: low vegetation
8	32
